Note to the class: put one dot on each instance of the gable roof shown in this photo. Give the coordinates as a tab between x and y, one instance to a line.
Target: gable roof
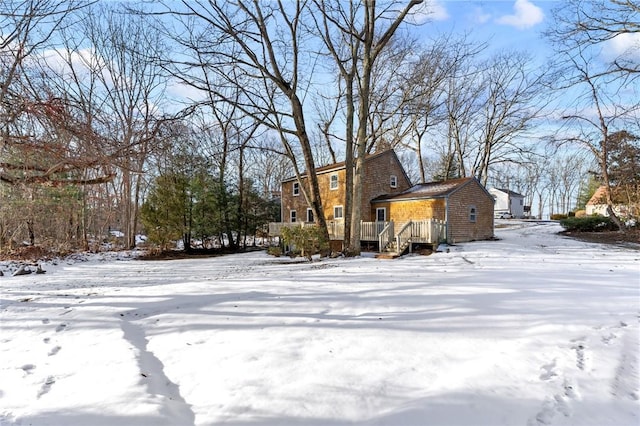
508	191
341	165
440	189
598	197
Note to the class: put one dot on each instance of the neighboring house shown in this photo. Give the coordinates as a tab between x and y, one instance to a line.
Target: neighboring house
393	211
597	205
464	205
508	202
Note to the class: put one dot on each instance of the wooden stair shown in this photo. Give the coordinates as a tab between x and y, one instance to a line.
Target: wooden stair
391	251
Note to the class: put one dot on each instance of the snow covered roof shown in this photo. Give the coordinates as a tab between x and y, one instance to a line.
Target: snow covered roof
508	191
427	190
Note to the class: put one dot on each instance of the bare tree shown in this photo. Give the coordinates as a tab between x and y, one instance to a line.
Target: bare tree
255	47
512	100
589	23
131	86
424	100
356	35
44	137
603	102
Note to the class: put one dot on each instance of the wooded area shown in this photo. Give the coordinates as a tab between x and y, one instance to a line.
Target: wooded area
179	119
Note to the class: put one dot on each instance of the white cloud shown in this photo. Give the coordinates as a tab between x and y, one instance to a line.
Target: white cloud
526	15
480	16
625	45
430	10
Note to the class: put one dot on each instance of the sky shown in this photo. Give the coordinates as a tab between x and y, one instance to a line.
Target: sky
505	24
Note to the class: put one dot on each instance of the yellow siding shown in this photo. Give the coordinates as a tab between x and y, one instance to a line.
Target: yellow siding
405	210
378	170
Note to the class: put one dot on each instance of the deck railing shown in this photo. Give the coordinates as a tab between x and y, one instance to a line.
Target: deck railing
404	237
385	236
429	231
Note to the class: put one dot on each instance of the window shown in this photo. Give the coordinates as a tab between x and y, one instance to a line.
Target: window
296	188
394	181
333	181
381	214
472	214
521	201
293	216
310	215
337	212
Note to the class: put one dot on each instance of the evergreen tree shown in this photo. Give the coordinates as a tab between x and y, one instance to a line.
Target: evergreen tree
587	189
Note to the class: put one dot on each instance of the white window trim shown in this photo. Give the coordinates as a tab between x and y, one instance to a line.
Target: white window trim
335	217
384	209
296	189
293	216
393	181
309	210
473	214
331	182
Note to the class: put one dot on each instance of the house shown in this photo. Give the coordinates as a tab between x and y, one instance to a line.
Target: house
597	205
384	175
464	205
395	213
508	202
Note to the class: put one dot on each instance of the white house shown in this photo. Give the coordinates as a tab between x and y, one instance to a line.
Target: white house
508	201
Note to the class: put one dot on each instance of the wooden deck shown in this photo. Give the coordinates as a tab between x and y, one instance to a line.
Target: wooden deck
398	234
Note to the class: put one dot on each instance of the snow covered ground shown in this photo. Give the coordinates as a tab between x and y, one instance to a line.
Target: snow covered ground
533	329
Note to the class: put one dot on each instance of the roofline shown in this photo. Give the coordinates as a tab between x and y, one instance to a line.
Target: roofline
330	168
509	192
391	199
467	180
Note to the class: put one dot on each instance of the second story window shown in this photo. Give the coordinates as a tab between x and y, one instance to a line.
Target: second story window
472	214
296	188
333	181
393	181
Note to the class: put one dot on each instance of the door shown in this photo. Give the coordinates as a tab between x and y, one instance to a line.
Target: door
381	218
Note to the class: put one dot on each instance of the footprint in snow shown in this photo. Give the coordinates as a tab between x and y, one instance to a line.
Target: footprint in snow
61	327
54	350
27	368
608	339
580	348
548	371
580	355
559	403
46	386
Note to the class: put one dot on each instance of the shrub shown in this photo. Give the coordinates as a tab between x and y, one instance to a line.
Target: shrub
274	251
588	224
558	216
305	240
581	213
